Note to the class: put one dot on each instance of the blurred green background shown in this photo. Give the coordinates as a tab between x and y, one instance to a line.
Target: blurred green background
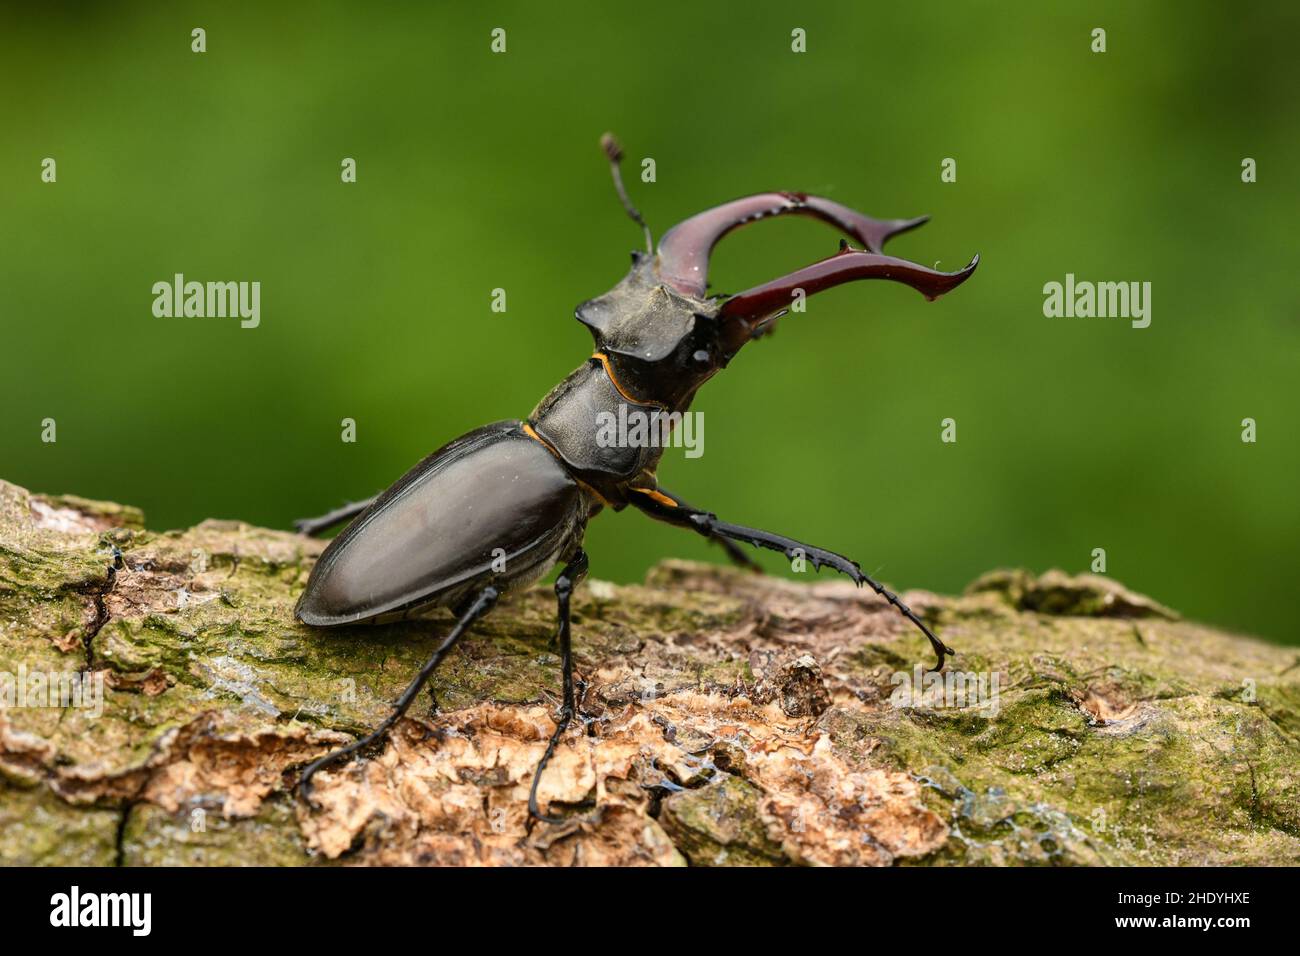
478	171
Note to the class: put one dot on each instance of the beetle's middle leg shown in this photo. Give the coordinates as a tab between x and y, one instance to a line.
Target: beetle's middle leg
573	572
669	508
736	554
314	526
480	605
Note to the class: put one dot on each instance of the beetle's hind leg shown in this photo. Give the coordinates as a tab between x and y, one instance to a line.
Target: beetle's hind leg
314	526
473	610
573	572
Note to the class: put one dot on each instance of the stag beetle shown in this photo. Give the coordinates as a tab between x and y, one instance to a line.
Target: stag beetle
496	509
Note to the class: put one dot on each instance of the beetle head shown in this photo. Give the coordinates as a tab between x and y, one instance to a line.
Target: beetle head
665	335
662	344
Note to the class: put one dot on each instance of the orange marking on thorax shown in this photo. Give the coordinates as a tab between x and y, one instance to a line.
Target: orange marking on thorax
658	496
532	433
599	497
603	359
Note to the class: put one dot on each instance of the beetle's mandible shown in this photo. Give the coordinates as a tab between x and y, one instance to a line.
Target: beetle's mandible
496	509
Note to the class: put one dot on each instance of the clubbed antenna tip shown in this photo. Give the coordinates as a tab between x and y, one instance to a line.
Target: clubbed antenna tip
609	143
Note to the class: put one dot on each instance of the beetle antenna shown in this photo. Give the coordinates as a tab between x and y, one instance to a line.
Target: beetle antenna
610	144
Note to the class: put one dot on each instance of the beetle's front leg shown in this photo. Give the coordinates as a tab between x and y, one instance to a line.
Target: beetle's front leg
669	508
573	572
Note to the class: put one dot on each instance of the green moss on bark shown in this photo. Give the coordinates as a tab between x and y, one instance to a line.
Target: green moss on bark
1119	735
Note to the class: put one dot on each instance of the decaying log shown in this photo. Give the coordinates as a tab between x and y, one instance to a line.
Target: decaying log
728	718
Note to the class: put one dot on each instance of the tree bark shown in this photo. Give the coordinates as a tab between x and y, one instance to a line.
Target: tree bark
727	718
